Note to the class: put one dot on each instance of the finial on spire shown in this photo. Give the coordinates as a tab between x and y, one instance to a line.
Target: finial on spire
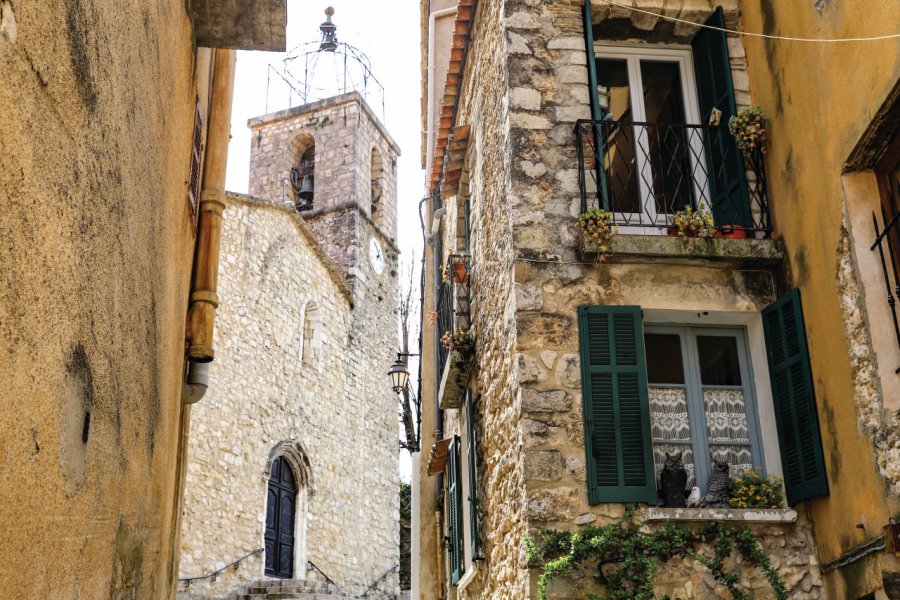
328	29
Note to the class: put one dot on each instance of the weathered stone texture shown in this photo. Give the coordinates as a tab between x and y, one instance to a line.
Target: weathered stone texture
525	197
338	414
96	240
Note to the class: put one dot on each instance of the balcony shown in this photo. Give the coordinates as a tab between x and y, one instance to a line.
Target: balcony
644	172
453	317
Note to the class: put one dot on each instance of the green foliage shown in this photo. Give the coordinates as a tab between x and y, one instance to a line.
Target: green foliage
596	225
749	129
753	490
458	339
693	223
629	556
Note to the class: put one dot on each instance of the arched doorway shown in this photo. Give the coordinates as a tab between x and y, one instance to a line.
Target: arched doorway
281	506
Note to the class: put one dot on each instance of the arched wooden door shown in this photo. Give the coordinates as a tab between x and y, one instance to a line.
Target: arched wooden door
280	514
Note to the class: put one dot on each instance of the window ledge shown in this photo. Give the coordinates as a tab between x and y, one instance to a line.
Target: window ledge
467	578
743	515
625	247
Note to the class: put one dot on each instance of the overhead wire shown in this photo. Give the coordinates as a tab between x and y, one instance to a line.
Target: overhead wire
750	33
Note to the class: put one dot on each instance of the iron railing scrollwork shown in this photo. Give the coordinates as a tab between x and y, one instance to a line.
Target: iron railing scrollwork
644	172
453	313
889	236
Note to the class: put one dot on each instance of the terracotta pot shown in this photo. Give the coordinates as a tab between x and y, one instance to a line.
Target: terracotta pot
460	273
734	232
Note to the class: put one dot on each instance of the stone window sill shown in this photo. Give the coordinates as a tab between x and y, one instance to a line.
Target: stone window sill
625	247
741	515
467	578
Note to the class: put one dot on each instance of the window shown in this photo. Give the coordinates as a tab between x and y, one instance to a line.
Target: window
688	388
661	134
377	186
196	158
455	512
302	175
701	399
651	96
462	496
312	335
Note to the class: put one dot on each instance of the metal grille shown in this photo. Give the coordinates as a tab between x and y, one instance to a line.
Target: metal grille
644	172
196	153
452	313
888	237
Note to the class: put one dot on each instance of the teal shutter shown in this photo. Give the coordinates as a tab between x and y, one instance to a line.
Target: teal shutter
616	408
475	541
725	164
454	493
596	112
795	404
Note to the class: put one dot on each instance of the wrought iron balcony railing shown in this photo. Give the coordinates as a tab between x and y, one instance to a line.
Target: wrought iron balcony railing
453	313
644	172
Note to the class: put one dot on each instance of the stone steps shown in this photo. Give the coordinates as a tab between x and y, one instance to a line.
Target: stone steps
291	589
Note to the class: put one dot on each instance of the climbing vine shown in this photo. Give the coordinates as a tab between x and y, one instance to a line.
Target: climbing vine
629	557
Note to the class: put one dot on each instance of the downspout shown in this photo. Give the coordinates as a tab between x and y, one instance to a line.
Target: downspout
204	299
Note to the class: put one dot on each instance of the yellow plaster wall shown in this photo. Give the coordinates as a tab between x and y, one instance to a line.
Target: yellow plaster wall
820	98
96	239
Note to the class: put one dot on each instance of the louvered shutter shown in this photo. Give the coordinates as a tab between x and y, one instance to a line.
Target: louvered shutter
725	164
596	111
475	541
616	407
454	502
795	404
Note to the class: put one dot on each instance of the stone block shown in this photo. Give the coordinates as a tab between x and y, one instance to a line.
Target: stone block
543	466
545	402
525	98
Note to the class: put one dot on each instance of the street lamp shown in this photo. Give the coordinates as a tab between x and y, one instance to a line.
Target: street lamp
399	375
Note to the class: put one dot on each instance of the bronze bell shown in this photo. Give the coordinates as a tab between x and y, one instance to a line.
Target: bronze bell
306	189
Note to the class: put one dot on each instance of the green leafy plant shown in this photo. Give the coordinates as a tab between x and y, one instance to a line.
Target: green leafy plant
628	555
748	127
754	490
596	227
458	339
690	222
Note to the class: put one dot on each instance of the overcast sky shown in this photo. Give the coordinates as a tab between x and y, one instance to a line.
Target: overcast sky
388	32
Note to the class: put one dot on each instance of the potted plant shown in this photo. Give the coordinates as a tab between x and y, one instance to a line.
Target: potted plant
457	268
752	489
461	340
748	127
690	222
595	227
735	232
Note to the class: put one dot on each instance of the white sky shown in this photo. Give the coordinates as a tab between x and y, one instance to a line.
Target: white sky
388	32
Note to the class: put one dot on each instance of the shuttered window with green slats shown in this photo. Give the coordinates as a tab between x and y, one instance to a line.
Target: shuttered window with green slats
616	410
796	417
471	446
454	504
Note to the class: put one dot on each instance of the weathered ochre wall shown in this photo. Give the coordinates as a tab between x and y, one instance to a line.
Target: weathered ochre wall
820	98
96	238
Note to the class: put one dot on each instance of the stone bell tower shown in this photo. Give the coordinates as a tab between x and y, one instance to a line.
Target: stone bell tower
336	163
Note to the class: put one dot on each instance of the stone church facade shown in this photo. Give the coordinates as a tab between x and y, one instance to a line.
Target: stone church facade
293	452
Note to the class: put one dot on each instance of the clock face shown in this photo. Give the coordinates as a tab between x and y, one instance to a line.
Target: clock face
376	256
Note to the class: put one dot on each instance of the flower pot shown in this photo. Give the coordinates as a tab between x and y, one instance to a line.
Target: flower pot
460	273
734	232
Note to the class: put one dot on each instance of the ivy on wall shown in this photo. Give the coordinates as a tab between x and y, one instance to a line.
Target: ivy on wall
628	556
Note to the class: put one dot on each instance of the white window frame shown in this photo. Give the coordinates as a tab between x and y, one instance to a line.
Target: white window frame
684	59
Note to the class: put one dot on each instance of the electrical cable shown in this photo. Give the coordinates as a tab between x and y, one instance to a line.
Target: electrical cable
752	34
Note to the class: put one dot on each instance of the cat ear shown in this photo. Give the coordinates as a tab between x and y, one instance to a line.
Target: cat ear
668	456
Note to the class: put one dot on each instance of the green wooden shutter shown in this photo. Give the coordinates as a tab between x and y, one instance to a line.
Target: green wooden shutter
454	502
475	541
596	112
795	404
616	408
725	164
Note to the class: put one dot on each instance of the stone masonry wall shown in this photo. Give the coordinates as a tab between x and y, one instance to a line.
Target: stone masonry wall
546	78
484	105
340	415
345	131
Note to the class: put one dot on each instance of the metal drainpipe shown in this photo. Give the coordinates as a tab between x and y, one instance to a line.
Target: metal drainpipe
437	252
204	299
